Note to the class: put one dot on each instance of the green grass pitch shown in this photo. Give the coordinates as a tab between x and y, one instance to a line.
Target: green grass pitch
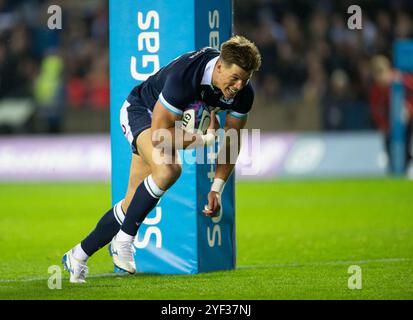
295	240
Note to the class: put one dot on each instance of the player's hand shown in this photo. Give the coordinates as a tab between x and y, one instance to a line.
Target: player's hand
214	204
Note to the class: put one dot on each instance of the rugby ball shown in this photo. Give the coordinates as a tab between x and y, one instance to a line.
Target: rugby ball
196	117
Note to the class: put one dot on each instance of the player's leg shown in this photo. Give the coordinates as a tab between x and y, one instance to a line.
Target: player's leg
147	195
138	172
387	149
408	144
111	222
162	177
108	226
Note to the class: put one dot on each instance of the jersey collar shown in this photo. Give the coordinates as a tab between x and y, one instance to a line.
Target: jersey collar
207	77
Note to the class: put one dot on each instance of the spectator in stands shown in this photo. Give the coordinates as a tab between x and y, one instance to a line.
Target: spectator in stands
48	93
379	97
286	32
336	100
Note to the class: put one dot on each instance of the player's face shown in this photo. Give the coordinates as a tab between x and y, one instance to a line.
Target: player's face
231	79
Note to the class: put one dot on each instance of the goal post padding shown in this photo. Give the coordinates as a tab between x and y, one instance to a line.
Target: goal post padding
175	238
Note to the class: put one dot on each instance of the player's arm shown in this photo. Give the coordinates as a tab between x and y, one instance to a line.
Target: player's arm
166	135
229	152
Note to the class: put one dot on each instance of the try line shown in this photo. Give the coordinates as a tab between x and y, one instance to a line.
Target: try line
242	267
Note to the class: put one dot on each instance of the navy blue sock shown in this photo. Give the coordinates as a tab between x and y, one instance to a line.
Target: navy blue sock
107	227
144	200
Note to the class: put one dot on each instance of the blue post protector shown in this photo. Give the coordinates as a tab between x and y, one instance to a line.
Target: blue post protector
176	237
403	62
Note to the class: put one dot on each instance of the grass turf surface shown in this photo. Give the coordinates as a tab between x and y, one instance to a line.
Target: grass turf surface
295	240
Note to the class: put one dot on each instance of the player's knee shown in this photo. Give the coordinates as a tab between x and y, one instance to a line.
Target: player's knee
172	172
167	175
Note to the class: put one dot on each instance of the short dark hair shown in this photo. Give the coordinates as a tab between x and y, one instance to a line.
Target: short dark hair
242	52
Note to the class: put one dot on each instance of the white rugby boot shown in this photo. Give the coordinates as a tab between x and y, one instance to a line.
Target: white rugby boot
122	253
77	269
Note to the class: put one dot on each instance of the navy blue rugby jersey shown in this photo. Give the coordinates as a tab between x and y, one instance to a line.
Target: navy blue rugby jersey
186	79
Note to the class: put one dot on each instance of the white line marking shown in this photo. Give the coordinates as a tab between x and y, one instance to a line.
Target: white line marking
98	275
323	263
242	267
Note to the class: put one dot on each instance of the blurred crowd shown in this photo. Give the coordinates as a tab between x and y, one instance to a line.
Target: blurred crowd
310	57
56	69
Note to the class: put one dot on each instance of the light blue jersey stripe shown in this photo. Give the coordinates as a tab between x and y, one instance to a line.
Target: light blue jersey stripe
168	106
238	115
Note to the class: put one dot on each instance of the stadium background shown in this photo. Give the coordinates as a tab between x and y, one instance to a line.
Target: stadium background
314	82
310	60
